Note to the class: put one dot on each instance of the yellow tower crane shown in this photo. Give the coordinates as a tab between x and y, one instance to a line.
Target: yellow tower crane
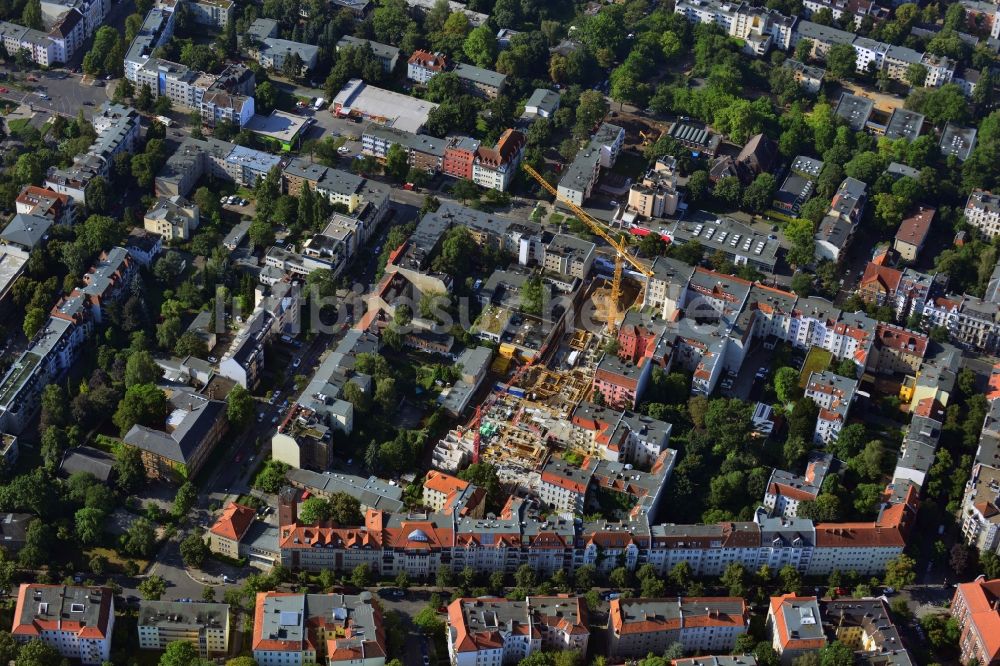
618	244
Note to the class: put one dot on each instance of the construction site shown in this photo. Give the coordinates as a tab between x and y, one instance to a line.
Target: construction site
528	417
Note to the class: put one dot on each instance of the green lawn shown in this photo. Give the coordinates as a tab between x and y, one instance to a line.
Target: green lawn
817	360
18	125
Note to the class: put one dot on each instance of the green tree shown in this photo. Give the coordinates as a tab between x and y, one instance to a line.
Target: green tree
89	525
841	60
786	384
143	404
916	74
180	653
37	653
184	500
734	579
481	47
34	321
140	368
361	576
758	195
397	162
239	407
128	467
900	572
260	233
31	16
152	588
790	579
728	190
139	539
194	551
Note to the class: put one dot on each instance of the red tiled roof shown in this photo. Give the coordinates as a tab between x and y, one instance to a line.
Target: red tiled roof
887	277
784	637
235	520
444	483
981	603
713	618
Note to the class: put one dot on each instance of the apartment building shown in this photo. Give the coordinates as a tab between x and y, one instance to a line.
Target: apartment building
26	232
866	627
834	394
224	97
808	77
568	256
93	13
656	195
459	157
226	161
759	28
638	627
975	606
854	10
272	52
481	82
179	451
494	168
55	348
580	176
795	626
157	28
339	187
76	621
972	322
213	13
422	151
205	625
39	47
43	202
619	435
174	218
494	631
438	486
387	55
786	491
422	66
292	629
563	486
982	211
225	535
836	229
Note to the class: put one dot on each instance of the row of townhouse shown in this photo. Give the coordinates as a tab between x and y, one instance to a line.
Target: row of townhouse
292	629
872	55
63	37
58	345
573	489
490	631
118	131
460	157
226	97
761	28
263	45
421	543
758	27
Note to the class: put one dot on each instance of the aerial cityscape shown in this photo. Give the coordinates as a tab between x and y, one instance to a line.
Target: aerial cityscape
499	333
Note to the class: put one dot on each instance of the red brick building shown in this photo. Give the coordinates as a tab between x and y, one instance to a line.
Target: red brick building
459	157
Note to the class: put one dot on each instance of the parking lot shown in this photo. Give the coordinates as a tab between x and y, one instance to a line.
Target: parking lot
65	93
